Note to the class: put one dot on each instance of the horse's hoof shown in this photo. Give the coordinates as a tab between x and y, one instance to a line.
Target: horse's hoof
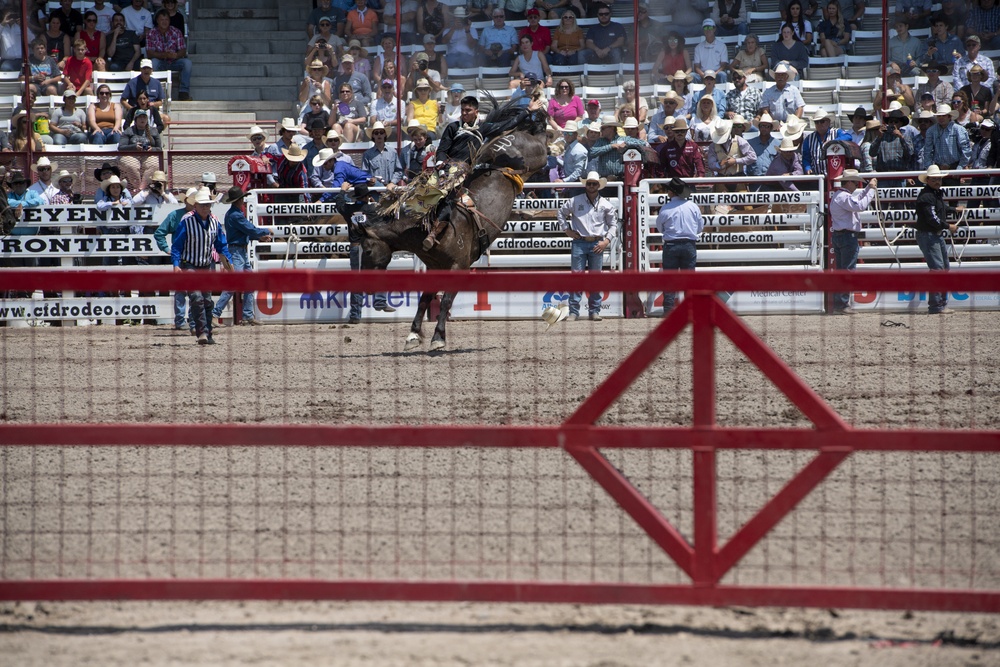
413	341
437	345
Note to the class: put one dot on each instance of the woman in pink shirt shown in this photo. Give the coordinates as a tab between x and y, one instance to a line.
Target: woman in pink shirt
565	105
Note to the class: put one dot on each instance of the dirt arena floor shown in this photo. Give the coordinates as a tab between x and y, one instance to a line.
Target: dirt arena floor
895	519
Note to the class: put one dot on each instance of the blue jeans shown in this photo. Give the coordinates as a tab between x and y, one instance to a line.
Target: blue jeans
845	253
241	262
201	305
589	56
681	255
182	65
74	138
935	253
358	298
104	136
179	298
583	258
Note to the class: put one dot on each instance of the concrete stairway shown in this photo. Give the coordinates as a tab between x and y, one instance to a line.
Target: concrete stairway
247	57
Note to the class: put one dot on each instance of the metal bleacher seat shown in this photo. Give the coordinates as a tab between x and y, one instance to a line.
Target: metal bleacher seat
822	91
608	95
856	91
602	75
862	66
865	43
9	85
467	76
825	68
494	79
764	22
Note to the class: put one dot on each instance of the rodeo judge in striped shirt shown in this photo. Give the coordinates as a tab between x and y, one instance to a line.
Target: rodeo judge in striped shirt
198	232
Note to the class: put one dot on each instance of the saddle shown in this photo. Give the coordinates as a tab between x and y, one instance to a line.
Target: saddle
423	194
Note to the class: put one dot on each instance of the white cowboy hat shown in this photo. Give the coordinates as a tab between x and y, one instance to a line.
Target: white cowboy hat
255	130
158	177
109	181
850	175
945	110
377	126
609	121
324	155
739	120
933	171
209	177
925	114
594	127
820	115
190	195
571	127
794	127
204	196
631	123
787	145
781	69
289	124
294	153
65	174
766	118
554	316
679	74
333	134
413	125
44	162
593	176
422	83
896	105
722	131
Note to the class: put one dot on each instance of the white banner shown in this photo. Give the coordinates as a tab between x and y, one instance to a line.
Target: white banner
79	246
917	301
146	308
743	198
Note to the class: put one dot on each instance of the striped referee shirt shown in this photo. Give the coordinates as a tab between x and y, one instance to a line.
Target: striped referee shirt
195	239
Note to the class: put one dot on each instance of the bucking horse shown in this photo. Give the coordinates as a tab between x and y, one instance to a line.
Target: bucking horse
513	149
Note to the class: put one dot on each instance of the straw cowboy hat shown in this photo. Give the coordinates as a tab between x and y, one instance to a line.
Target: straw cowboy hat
289	125
631	123
109	181
787	145
422	83
678	124
318	64
190	195
377	126
571	127
820	115
850	175
158	177
294	153
256	130
234	194
933	171
872	124
333	134
554	316
356	43
107	166
414	125
680	75
722	131
739	120
44	162
593	176
204	196
794	127
895	105
945	110
324	156
766	118
65	174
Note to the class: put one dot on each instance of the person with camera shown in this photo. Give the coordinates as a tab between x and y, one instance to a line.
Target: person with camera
461	37
420	71
142	143
155	194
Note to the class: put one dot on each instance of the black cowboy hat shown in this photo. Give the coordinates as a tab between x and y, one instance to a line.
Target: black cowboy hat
234	194
679	188
940	68
862	111
317	124
107	166
896	114
16	177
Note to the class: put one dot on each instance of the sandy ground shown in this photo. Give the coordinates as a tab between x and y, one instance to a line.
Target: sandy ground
880	519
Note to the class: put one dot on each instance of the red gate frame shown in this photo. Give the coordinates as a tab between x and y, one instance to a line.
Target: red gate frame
704	561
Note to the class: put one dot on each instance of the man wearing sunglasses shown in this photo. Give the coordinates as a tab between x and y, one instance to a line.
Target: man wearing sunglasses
710	55
893	150
605	41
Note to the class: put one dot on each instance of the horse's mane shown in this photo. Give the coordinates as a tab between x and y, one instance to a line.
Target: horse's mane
510	116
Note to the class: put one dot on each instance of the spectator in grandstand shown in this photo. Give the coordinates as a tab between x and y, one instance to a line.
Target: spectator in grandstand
317	129
685	97
424	109
960	107
710	54
46	77
904	47
11	57
925	119
321	10
795	17
788	162
730	17
628	90
122	46
104	118
314	112
499	42
711	91
258	141
103	173
429	64
69	122
789	51
742	100
979	96
113	194
764	145
858	118
157	119
932	221
144	82
941	46
898	91
589	136
592	222
679	156
568	41
531	64
286	137
70	20
593	111
92	37
687	15
680	222
138	19
813	155
847	202
362	23
142	143
359	84
634	138
333	142
452	109
668	104
672	58
565	105
349	115
606	153
704	120
728	155
176	17
960	70
156	193
383	109
191	250
166	47
325	45
940	90
381	161
751	59
461	38
892	149
574	154
605	41
834	33
415	153
947	143
918	11
57	43
78	70
854	13
316	85
782	100
239	233
408	21
984	155
984	21
44	186
65	182
432	17
20	198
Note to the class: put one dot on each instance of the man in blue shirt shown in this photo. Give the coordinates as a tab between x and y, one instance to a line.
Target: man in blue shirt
680	222
239	233
20	197
143	82
498	42
764	145
947	143
329	172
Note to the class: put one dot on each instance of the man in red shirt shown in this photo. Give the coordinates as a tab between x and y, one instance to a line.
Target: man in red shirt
680	158
541	37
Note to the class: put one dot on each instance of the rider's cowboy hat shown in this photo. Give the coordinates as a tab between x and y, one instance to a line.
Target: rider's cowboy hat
554	316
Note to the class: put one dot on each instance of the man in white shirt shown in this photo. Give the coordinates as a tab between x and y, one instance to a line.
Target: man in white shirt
710	54
10	41
138	19
591	221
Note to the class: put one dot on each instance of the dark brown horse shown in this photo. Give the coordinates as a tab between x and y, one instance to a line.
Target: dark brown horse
515	142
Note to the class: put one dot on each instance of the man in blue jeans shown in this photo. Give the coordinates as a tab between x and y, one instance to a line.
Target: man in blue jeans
239	233
932	221
592	222
846	204
680	222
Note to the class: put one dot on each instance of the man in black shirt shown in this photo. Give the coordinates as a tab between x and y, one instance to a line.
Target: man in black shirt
932	221
461	138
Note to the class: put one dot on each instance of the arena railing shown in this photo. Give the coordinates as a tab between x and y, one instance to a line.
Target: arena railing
703	458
